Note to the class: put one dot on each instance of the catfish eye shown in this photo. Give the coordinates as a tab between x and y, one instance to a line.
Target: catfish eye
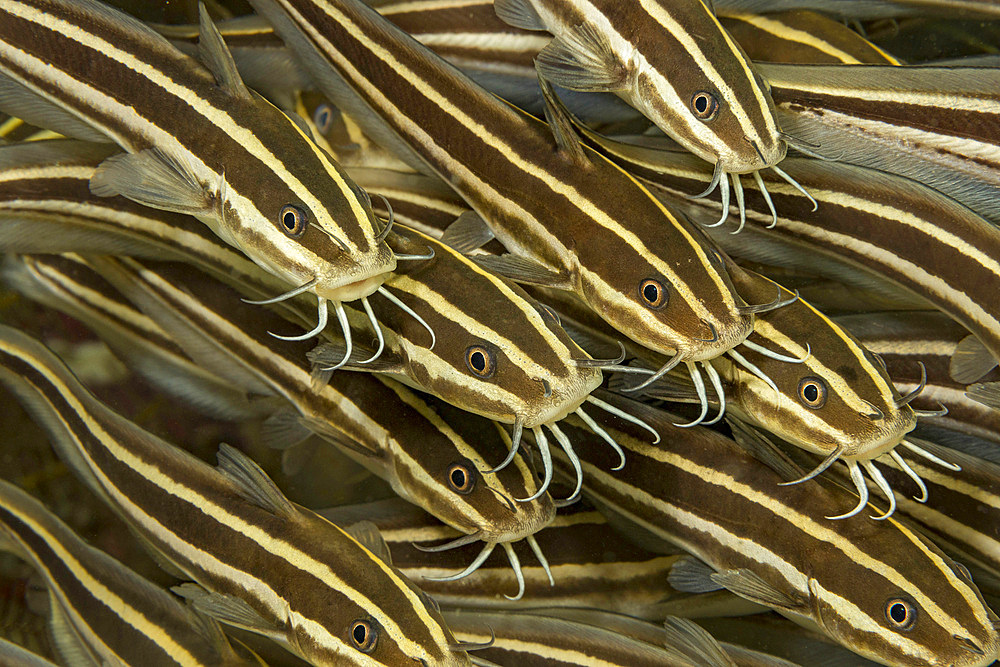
653	293
323	118
480	361
461	478
364	635
705	105
293	221
900	613
812	392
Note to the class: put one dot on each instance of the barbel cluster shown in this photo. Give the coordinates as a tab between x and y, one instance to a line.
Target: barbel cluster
499	332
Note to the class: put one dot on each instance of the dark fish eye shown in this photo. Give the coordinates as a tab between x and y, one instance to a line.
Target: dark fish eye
461	478
364	635
812	392
653	293
480	361
964	571
901	613
704	105
323	118
293	221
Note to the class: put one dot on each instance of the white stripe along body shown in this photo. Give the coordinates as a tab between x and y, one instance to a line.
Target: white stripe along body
588	227
500	354
198	143
308	583
711	497
117	616
428	460
671	60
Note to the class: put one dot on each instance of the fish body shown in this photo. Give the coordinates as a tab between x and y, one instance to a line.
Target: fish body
556	214
100	608
843	577
262	562
198	141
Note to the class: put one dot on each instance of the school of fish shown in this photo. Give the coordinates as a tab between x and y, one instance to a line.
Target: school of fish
499	332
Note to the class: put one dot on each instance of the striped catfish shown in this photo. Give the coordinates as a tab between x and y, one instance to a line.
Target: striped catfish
589	566
198	141
964	515
891	228
266	564
936	125
430	454
495	351
645	271
831	396
674	62
857	10
501	355
905	340
69	286
781	637
802	36
877	588
594	640
99	608
676	632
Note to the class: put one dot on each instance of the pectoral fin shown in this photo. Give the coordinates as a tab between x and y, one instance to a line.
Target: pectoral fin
469	232
750	586
522	270
695	643
152	179
582	59
971	361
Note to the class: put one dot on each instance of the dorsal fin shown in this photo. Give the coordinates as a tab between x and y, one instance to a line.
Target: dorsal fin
695	643
469	232
561	123
367	534
971	361
519	14
215	55
252	483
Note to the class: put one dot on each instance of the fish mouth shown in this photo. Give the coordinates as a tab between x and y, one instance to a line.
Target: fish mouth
351	291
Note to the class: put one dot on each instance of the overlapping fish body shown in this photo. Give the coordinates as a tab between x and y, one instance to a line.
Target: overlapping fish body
101	609
198	140
385	427
501	355
264	563
569	218
852	578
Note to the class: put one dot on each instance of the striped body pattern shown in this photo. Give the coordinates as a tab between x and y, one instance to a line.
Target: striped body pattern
251	174
405	333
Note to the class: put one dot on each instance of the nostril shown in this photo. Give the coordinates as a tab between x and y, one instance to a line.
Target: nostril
546	387
877	414
969	645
